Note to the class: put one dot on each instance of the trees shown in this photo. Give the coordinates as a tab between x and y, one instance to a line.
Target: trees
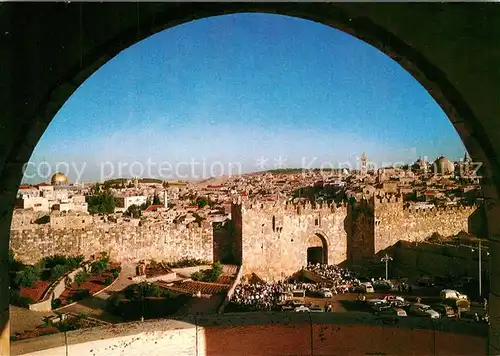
27	277
81	277
134	211
156	200
103	203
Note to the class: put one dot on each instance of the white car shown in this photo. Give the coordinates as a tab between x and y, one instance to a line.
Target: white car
302	308
393	298
375	301
326	293
452	294
424	311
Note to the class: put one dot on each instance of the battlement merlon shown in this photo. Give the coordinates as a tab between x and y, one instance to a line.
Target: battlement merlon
435	210
385	199
288	207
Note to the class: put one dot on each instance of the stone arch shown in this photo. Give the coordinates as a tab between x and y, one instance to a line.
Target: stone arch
52	48
317	249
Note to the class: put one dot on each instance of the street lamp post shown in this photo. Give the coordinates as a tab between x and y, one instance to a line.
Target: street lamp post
386	259
480	272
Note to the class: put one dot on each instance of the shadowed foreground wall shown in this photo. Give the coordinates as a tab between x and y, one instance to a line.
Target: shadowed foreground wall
266	334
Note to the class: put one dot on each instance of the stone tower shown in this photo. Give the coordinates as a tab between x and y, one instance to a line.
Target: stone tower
165	199
364	167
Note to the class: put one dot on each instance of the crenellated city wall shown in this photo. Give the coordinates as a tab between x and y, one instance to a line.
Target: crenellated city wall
394	222
269	238
124	242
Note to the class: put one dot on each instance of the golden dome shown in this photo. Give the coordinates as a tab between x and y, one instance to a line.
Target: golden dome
59	179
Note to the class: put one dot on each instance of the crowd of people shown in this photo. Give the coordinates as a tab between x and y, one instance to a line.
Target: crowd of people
342	279
262	296
258	296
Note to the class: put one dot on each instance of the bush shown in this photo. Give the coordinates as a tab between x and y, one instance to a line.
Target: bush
99	266
187	262
27	277
14	264
52	261
143	290
74	262
16	299
108	280
215	272
56	303
81	277
115	272
198	276
81	294
58	271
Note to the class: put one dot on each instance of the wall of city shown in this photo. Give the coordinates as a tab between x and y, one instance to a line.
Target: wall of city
275	237
398	223
269	238
123	241
412	259
379	223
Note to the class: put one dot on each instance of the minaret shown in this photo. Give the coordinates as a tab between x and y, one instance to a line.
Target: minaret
467	158
165	199
364	168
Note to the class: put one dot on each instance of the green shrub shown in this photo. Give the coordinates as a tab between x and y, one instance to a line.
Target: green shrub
58	271
98	267
14	264
142	290
16	299
187	262
81	294
198	276
27	277
81	277
56	303
54	260
215	272
108	280
115	272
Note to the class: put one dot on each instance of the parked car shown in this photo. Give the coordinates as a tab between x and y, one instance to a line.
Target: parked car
378	308
452	294
290	305
462	305
425	282
325	293
393	312
444	310
316	309
302	308
423	310
365	288
391	298
383	285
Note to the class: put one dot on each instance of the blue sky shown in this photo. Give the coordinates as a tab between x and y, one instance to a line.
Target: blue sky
236	88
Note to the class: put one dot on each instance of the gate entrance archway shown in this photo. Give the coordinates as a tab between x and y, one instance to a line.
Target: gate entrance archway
317	250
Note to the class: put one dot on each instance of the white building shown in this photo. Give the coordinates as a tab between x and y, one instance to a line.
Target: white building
35	203
122	203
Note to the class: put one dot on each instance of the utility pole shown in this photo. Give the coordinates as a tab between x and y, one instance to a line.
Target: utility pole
480	271
386	259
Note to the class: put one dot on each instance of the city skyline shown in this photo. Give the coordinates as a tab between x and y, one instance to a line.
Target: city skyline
238	88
